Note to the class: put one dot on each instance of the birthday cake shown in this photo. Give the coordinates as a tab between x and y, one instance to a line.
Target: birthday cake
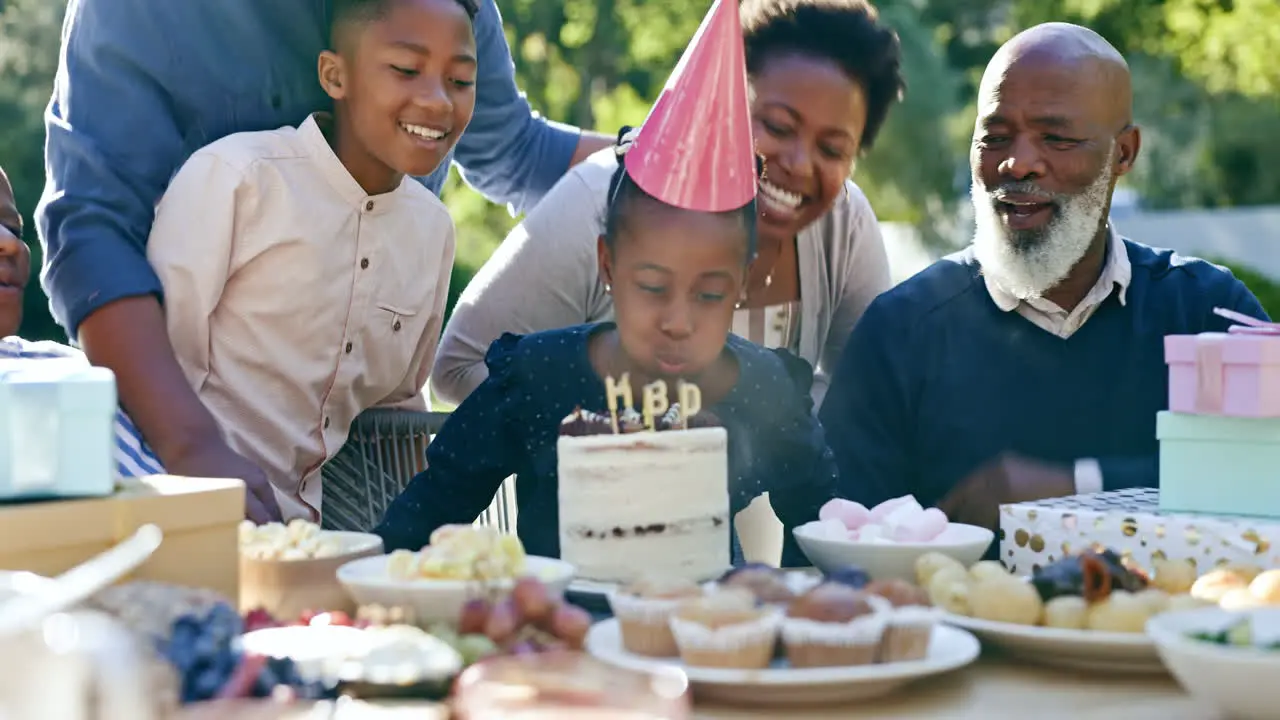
644	495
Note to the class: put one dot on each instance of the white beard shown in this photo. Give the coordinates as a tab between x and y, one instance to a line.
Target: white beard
1029	263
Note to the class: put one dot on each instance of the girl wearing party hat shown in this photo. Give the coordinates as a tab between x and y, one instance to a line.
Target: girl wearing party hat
823	76
679	238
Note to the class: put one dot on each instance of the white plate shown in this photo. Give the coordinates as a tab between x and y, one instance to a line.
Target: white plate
1077	649
592	587
369	583
949	649
591	595
892	561
1239	680
318	651
321	652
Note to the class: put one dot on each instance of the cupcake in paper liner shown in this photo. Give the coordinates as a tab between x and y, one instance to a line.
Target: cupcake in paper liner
726	629
910	623
834	625
770	585
643	609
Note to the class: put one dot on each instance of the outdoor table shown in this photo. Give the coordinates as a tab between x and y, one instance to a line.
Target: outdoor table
993	688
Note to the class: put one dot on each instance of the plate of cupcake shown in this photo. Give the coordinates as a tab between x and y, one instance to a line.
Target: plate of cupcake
1087	611
757	636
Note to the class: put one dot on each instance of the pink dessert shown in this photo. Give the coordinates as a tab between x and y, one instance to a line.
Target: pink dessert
900	520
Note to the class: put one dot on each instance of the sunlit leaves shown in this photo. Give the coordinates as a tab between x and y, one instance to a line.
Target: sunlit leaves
1229	50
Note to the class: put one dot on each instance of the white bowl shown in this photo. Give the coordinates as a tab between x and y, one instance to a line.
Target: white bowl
369	583
287	588
889	561
1240	681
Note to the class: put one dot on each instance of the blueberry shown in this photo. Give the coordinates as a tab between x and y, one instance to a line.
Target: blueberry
224	613
265	683
185	628
852	575
181	655
206	646
206	684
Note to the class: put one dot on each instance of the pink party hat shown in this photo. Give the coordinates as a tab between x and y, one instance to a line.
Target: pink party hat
694	151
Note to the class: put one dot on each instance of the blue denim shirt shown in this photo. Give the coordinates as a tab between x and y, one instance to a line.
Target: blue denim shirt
142	84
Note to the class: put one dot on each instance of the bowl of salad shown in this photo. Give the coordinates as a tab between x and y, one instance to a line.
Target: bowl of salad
1229	659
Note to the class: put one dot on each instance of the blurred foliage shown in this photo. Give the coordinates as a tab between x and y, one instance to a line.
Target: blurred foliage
1207	94
1266	289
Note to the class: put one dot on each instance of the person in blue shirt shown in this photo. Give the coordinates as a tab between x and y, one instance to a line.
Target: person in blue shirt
131	455
1029	365
141	85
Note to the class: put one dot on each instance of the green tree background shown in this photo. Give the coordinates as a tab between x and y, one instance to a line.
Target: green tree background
1207	94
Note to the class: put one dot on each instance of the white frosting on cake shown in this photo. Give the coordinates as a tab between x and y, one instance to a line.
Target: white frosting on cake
647	503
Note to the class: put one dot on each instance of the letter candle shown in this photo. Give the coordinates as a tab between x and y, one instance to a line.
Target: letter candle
690	402
614	391
655	403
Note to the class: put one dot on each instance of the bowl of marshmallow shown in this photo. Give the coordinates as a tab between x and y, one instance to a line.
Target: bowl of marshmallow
886	539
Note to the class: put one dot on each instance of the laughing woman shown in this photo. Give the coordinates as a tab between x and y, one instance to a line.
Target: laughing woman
823	76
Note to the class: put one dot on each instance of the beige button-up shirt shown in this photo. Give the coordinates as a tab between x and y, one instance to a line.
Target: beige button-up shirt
294	300
1115	277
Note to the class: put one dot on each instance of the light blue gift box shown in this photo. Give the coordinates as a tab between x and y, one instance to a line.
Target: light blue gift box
57	429
1219	465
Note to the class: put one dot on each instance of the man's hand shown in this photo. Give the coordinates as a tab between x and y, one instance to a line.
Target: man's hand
214	459
1009	478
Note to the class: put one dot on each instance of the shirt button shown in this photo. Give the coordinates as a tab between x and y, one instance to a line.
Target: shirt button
368	206
396	326
364	263
347	349
326	423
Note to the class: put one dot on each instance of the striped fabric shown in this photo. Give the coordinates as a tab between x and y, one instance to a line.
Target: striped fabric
133	457
775	326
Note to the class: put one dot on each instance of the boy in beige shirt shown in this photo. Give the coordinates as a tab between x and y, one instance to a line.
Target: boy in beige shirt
305	273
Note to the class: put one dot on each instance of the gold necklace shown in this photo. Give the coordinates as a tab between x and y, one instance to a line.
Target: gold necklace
768	279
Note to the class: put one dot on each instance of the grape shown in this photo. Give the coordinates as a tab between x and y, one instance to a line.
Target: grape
503	621
259	619
475	615
525	647
570	623
532	599
474	648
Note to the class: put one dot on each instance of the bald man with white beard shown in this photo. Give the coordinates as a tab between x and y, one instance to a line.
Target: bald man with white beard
1031	364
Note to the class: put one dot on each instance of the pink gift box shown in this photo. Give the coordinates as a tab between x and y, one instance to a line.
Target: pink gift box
1235	373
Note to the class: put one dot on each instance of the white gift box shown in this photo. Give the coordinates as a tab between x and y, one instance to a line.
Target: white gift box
1129	522
57	429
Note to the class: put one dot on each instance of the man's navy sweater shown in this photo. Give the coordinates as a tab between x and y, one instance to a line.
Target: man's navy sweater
936	380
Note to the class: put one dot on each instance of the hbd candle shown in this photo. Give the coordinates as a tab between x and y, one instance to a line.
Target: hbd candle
655	402
615	391
690	402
